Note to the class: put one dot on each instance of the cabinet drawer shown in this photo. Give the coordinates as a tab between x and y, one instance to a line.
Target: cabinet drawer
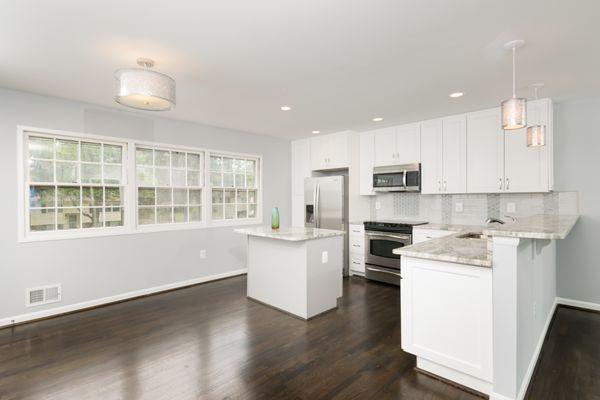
357	263
357	244
356	229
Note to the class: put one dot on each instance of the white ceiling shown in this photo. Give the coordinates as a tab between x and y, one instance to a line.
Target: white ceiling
338	63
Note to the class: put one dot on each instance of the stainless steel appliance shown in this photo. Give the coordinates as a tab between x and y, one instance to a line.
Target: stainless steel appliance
397	178
326	206
381	237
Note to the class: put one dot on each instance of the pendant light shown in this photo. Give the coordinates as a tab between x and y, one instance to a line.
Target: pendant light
536	134
514	110
144	89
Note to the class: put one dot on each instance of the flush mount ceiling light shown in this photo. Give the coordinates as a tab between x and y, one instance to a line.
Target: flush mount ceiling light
144	89
536	134
377	119
514	110
285	108
456	95
316	132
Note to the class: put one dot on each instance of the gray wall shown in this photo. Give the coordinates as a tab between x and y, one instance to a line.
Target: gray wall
577	167
94	268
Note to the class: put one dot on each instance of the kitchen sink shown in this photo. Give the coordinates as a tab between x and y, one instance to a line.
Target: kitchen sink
472	235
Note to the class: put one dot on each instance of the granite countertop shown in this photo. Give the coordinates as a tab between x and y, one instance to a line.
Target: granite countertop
535	227
452	227
451	249
292	234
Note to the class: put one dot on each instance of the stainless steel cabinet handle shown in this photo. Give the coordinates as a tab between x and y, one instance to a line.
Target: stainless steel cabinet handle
384	271
507	183
356	245
445	186
439	186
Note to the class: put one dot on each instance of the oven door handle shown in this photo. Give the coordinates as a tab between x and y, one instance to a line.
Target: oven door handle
384	271
386	235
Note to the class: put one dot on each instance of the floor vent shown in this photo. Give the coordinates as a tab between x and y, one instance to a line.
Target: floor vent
42	295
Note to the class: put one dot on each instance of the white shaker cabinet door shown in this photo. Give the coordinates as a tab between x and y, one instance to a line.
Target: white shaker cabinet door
385	147
485	152
454	157
527	168
366	162
318	152
431	156
408	144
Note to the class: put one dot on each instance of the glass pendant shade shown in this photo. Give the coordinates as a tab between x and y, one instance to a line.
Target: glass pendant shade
514	113
144	89
536	136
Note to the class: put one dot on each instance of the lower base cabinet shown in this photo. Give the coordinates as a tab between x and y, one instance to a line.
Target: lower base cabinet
447	319
356	241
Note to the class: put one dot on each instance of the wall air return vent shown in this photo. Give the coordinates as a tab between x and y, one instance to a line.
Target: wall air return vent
42	295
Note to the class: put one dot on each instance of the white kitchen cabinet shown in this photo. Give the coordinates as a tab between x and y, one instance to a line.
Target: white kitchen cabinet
300	165
443	155
423	235
446	312
529	169
329	151
485	152
454	154
431	156
366	162
398	145
356	246
500	161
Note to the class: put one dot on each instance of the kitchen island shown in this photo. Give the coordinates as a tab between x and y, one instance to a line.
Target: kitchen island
296	270
476	304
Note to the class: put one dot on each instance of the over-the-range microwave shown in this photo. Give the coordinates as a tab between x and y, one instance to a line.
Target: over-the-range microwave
397	178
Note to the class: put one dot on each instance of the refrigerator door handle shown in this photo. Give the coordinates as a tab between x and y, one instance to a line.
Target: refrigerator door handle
317	206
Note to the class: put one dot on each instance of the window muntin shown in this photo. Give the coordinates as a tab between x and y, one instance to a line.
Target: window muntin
169	185
234	185
73	184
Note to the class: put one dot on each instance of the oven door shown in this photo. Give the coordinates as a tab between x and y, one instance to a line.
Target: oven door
379	247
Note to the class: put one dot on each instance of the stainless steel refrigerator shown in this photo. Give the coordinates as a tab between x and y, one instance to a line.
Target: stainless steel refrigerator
326	206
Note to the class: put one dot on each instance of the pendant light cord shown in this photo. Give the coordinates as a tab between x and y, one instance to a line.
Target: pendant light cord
514	50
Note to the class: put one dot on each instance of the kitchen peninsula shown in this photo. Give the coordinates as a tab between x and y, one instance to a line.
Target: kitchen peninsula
476	305
296	270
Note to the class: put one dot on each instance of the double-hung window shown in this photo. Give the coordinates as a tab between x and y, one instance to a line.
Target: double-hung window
169	185
73	184
234	186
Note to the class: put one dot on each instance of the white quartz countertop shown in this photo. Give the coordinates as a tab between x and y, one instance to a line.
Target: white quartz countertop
293	234
451	227
535	227
451	249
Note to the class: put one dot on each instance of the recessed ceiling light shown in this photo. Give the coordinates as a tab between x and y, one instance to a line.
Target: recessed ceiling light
316	132
456	94
285	108
377	119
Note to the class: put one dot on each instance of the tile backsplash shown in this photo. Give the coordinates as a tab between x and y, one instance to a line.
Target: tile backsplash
470	209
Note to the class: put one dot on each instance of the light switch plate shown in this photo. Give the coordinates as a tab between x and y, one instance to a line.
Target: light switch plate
202	253
458	207
378	205
511	207
324	257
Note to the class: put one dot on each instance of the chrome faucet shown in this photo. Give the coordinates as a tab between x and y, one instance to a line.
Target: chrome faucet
492	220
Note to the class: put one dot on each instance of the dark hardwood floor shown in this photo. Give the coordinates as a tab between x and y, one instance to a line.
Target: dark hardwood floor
210	342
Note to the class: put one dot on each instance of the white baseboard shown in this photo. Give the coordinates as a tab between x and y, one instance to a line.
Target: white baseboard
578	303
17	319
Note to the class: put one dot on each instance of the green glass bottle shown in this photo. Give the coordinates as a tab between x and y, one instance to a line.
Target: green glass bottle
275	218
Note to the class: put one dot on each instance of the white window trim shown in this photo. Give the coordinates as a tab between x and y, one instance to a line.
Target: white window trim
130	226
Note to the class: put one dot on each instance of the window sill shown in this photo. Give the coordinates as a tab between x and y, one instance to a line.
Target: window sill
45	236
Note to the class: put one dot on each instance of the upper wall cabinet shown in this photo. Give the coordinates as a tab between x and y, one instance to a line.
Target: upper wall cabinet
329	151
529	169
300	165
500	161
366	162
485	152
443	155
398	145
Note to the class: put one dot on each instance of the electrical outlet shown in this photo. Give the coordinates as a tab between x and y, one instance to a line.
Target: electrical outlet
511	207
378	205
324	257
202	253
458	207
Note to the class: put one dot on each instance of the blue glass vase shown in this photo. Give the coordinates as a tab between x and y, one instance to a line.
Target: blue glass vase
275	218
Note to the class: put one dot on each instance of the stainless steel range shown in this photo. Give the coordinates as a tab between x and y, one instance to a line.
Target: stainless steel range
381	237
